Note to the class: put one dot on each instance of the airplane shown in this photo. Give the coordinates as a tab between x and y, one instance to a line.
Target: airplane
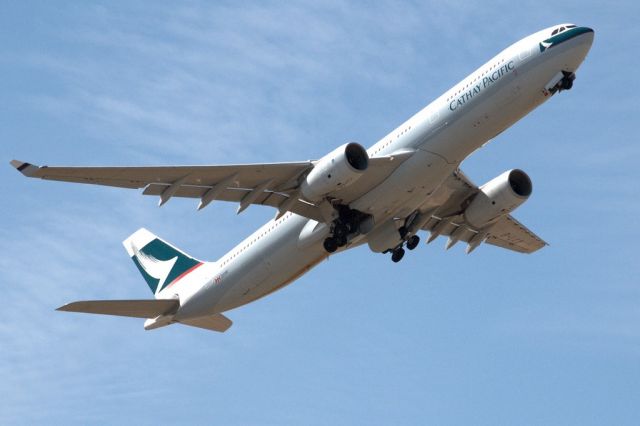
409	181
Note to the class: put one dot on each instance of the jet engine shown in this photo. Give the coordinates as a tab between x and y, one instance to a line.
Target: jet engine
498	197
336	170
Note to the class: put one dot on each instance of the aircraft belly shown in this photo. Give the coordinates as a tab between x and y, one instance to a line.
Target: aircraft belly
282	260
416	178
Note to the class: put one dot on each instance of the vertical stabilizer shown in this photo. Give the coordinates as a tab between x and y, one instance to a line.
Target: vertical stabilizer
160	263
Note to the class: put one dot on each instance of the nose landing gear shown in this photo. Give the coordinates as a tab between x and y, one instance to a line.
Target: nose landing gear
567	80
562	81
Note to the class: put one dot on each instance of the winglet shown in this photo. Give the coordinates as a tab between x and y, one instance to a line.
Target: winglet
26	169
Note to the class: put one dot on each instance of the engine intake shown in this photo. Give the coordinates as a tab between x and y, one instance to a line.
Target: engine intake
498	197
336	170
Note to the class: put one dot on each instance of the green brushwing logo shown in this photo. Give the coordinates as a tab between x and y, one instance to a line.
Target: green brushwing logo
160	264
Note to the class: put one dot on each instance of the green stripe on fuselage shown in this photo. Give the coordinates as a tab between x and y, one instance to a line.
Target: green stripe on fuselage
563	36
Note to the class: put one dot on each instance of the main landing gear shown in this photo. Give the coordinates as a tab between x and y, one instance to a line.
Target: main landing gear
397	254
330	244
412	242
347	223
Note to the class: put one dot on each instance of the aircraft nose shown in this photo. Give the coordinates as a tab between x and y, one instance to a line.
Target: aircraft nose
583	39
577	33
587	34
579	41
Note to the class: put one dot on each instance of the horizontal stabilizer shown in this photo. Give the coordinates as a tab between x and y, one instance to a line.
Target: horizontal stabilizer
216	322
124	308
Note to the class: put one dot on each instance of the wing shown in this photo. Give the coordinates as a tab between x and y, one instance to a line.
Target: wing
274	184
266	184
446	207
510	234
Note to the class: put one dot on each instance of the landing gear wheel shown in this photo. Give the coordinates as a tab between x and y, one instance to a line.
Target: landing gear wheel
413	242
330	244
341	241
397	255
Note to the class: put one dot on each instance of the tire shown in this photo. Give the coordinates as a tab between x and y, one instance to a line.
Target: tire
413	242
330	245
397	255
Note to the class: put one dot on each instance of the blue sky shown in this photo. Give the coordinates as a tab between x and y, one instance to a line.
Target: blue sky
441	338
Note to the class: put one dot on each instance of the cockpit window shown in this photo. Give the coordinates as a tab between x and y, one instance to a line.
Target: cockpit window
561	29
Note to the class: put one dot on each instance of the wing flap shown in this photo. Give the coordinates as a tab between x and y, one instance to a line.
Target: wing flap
198	191
232	194
124	308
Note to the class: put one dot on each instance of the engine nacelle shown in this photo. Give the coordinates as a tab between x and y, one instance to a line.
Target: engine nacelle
336	170
499	196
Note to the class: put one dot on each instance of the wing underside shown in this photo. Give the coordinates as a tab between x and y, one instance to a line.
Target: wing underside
271	184
446	208
267	184
277	185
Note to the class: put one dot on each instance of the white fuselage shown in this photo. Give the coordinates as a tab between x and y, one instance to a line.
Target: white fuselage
440	136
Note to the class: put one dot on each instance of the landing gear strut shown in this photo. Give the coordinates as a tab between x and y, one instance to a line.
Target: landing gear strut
398	253
567	81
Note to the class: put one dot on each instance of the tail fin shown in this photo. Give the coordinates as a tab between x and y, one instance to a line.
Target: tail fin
160	263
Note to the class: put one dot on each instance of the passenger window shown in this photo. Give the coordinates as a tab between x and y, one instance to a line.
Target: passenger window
554	32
